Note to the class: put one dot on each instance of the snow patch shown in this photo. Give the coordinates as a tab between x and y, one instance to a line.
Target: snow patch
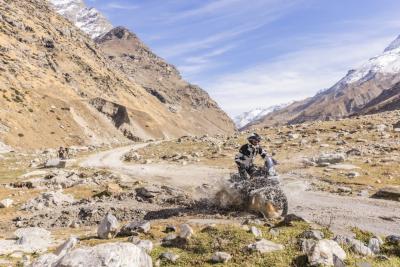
89	20
386	63
255	114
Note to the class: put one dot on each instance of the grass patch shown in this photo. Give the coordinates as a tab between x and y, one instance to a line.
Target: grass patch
233	240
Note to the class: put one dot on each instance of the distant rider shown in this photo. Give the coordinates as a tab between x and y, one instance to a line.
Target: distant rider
248	152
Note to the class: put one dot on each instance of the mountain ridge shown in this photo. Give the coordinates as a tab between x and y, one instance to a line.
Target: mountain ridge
346	97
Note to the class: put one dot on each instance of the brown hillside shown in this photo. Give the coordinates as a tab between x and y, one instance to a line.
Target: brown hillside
50	72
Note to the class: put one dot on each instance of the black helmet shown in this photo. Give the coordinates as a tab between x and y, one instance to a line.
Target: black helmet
254	137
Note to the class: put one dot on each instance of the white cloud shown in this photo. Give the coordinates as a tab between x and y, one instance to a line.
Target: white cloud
295	75
196	64
114	5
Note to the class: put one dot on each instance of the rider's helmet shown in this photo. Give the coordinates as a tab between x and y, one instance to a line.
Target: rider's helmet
254	137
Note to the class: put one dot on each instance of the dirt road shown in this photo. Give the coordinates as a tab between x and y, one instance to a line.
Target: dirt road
339	212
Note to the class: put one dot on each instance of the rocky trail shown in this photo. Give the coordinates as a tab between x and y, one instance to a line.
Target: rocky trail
339	213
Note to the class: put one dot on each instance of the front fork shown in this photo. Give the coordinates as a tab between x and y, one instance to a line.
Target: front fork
270	166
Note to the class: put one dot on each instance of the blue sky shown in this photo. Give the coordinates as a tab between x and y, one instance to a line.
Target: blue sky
258	53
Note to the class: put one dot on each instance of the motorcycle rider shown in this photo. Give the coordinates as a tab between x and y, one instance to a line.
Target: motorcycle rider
247	153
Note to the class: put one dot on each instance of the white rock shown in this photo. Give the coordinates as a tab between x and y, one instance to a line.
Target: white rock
55	163
330	158
256	232
313	234
322	253
66	247
147	245
107	255
6	203
186	232
360	248
108	227
221	257
27	240
169	256
46	260
374	245
381	127
264	246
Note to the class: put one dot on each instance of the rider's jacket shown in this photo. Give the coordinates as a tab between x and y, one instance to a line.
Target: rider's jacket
247	154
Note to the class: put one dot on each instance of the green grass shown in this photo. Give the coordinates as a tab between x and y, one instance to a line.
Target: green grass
233	239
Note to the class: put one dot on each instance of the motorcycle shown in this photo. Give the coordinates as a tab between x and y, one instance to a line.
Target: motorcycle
260	193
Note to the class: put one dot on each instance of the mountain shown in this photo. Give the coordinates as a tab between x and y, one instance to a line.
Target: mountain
188	102
348	96
87	19
57	87
388	100
163	81
255	114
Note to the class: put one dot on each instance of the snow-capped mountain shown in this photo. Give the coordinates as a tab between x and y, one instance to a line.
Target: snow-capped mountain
350	95
386	63
87	19
255	114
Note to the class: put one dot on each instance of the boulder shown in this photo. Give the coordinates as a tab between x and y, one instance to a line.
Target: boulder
389	192
107	255
393	239
27	240
55	163
186	232
169	239
6	203
313	234
47	260
108	227
256	232
169	256
360	248
66	247
135	227
323	252
147	245
330	158
307	244
264	246
51	259
343	240
374	245
220	257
